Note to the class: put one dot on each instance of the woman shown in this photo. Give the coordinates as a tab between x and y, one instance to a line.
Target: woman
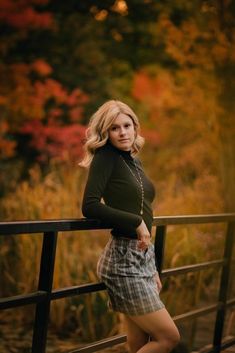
119	193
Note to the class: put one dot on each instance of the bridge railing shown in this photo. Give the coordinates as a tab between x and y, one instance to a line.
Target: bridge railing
45	294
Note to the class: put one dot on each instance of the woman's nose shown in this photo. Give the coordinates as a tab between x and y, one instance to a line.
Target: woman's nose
122	131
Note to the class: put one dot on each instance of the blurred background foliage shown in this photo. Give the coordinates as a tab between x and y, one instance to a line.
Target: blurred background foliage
173	62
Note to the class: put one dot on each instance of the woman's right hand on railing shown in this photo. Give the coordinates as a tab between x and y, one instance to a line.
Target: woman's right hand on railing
144	237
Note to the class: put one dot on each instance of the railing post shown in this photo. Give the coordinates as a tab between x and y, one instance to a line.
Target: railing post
44	284
159	246
224	286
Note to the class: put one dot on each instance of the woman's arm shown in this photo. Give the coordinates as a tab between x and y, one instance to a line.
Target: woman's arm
99	174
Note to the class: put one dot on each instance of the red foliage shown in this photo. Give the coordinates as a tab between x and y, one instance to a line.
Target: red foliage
152	137
150	91
77	95
22	15
145	87
42	108
51	137
41	67
54	140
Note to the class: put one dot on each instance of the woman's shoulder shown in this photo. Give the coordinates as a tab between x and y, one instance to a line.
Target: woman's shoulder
105	154
106	150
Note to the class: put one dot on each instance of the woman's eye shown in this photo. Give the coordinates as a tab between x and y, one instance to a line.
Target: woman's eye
127	125
114	128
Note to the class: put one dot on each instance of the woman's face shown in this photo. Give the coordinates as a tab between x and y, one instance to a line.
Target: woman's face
122	132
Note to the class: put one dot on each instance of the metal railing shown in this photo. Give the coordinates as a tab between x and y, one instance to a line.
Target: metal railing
45	294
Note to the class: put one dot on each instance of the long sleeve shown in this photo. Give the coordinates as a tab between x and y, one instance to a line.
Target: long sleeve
100	173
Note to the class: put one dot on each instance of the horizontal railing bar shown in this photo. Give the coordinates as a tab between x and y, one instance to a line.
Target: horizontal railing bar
21	300
33	298
229	343
23	227
191	268
121	339
98	345
192	219
203	311
30	227
196	313
77	290
105	343
230	302
226	343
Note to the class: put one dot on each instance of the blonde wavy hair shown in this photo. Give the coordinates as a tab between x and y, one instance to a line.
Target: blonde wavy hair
97	132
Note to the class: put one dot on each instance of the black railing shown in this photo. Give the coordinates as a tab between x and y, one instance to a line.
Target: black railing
44	295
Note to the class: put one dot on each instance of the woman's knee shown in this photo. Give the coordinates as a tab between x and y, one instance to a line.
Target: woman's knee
171	339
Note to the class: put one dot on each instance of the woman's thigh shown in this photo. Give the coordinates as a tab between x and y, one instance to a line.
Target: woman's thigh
158	324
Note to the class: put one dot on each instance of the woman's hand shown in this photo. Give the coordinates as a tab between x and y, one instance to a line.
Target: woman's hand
158	282
144	238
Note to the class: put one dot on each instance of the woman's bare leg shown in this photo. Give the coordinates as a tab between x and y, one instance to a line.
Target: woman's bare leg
162	330
136	337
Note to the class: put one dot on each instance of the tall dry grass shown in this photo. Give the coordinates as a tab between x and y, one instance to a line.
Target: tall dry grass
58	195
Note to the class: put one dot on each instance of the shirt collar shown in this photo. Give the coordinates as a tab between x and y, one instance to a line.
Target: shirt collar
125	154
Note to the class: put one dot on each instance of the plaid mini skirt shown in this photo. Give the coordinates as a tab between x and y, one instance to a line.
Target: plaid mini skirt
129	275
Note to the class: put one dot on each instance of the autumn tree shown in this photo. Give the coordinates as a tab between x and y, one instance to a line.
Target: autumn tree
203	46
185	104
164	59
40	117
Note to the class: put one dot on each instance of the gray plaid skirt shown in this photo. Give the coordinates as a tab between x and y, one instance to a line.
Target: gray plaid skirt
129	275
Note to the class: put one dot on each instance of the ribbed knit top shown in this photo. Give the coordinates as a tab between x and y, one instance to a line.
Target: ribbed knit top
113	194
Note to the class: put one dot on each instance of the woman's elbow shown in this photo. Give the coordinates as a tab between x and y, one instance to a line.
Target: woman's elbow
87	211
